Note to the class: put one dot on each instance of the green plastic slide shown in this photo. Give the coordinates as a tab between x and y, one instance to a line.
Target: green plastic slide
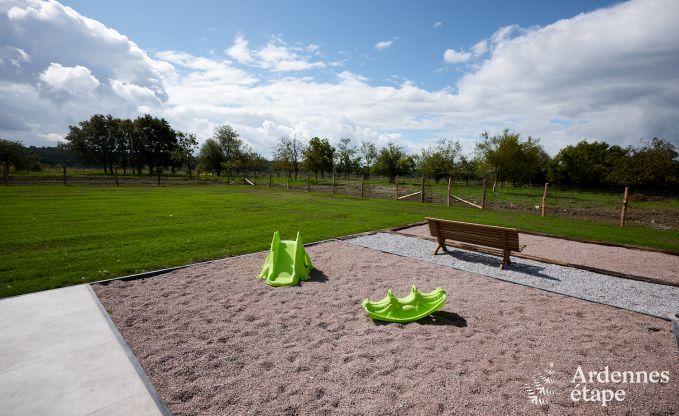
410	308
287	262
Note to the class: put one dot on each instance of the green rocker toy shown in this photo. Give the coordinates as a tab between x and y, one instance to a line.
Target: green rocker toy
287	262
410	308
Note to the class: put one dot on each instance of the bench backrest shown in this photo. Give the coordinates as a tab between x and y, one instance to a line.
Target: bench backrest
484	235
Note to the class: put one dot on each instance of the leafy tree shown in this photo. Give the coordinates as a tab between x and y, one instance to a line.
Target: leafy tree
158	141
392	161
498	153
586	163
211	156
532	163
318	156
440	161
253	161
368	152
232	147
654	165
183	153
92	142
347	159
17	155
467	168
288	154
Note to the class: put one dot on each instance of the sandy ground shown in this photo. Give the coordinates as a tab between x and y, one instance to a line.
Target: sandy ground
657	266
216	340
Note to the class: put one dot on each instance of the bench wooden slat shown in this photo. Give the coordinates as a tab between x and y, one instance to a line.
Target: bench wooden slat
506	239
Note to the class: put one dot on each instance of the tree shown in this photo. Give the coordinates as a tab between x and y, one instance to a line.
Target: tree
287	155
211	156
653	165
497	153
318	156
440	161
158	141
347	161
467	168
183	153
532	163
368	152
92	141
586	163
17	155
392	161
231	147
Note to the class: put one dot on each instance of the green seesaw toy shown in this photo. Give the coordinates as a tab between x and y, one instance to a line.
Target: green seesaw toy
287	262
410	308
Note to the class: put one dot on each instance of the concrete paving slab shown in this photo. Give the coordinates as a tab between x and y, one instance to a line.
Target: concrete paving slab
61	355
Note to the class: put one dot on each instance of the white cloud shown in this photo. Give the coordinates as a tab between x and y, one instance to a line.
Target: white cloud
385	44
589	76
480	48
454	57
275	55
75	80
437	25
239	51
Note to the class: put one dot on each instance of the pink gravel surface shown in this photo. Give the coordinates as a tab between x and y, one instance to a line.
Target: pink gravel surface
216	340
657	266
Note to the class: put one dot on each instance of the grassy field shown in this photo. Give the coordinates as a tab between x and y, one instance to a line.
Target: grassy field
54	236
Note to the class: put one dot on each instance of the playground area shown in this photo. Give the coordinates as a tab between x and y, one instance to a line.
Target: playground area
214	339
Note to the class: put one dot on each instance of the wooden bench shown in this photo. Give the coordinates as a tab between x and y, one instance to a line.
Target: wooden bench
505	239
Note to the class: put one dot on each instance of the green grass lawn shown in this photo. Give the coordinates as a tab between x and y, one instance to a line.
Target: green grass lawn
54	236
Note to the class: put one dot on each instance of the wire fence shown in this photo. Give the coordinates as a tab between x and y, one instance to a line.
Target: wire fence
623	206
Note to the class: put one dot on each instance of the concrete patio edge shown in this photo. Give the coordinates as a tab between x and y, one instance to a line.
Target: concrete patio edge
130	355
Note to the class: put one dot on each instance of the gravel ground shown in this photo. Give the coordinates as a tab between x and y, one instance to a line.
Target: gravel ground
649	298
215	340
660	267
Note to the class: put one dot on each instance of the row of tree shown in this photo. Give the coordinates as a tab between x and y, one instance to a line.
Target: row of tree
130	144
505	158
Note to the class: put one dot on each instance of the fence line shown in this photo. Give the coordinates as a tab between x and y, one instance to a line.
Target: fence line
654	208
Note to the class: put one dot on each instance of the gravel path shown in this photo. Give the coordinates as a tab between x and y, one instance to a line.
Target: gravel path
660	267
649	298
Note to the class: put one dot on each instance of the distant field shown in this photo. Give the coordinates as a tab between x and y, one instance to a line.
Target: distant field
55	236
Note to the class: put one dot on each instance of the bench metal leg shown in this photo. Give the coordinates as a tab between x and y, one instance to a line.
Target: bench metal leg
440	246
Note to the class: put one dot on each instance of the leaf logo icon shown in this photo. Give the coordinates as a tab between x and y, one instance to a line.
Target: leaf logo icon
538	391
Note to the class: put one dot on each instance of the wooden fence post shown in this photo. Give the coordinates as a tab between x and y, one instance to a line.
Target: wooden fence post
624	207
483	196
5	171
333	183
362	186
64	169
287	182
115	175
308	182
450	181
396	195
422	190
544	198
269	179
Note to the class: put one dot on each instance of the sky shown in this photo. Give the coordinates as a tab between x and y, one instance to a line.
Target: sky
383	71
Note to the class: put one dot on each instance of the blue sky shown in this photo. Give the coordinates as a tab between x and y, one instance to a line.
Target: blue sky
344	30
382	71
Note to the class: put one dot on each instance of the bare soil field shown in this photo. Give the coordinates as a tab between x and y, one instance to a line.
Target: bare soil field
659	267
216	340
